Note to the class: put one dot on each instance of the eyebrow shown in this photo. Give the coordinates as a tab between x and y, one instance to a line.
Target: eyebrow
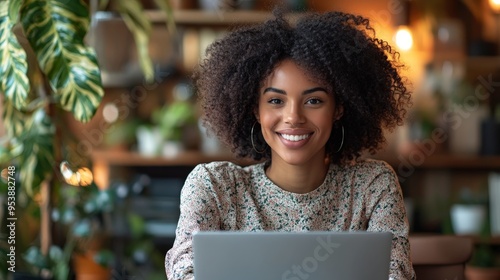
307	91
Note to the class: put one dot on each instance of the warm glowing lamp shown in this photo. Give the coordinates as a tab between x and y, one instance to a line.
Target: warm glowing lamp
495	5
82	177
404	38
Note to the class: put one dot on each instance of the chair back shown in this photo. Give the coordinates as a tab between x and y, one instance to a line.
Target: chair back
440	257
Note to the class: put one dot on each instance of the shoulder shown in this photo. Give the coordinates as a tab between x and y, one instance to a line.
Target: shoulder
222	169
367	173
369	167
219	182
222	173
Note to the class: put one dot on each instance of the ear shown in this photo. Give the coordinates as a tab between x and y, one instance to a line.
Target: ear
256	114
339	112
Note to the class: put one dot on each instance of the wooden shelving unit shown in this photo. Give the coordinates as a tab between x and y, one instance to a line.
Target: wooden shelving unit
187	158
219	18
437	161
446	161
462	162
103	160
493	240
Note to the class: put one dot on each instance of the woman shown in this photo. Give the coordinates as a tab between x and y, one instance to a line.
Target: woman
307	100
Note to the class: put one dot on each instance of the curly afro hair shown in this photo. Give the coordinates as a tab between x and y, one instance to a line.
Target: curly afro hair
336	48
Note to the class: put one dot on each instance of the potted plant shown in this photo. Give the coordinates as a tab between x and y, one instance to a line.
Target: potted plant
172	121
484	265
469	213
80	217
48	70
176	123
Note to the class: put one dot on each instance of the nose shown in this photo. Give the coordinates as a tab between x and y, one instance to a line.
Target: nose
294	114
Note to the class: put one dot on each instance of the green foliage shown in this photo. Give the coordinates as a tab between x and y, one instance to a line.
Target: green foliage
36	158
484	256
55	30
173	118
13	66
78	214
45	68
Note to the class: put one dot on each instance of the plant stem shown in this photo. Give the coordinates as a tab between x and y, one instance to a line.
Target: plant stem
45	230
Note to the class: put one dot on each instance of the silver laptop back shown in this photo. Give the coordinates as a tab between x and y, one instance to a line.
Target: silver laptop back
226	255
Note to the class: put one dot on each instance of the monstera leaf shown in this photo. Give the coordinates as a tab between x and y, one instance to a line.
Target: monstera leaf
56	31
13	66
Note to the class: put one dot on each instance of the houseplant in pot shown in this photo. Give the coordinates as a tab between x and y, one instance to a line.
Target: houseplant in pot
80	217
48	70
469	213
485	263
177	122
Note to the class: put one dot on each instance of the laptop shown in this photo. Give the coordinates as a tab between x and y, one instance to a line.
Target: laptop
314	255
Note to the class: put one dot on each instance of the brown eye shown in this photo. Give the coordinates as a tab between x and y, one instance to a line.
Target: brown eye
275	101
314	101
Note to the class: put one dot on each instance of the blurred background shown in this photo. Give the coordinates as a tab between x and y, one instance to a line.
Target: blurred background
146	137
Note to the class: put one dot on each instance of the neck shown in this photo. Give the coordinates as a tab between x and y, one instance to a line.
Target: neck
298	178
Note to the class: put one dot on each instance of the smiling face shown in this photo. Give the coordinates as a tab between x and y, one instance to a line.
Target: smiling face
296	115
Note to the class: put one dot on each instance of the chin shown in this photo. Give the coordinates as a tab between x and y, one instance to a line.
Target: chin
296	160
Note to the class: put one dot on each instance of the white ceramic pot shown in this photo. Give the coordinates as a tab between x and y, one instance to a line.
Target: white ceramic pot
149	141
467	219
171	149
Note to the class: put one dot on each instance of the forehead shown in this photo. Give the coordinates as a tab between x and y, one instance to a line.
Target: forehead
288	71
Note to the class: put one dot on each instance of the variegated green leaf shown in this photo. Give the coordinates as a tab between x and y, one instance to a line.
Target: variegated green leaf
56	31
14	81
9	151
27	174
14	7
138	23
13	119
37	158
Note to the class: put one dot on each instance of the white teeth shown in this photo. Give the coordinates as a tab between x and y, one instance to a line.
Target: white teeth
295	137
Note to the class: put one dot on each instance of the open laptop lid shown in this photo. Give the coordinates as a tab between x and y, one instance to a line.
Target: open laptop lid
226	255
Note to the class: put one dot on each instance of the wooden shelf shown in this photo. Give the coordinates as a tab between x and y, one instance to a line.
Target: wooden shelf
437	161
444	161
462	162
103	160
493	240
187	158
221	18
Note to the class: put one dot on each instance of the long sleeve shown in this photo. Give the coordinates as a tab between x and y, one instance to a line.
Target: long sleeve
223	196
198	212
388	214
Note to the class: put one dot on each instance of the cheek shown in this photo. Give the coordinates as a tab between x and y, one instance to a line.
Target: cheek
267	120
265	116
324	122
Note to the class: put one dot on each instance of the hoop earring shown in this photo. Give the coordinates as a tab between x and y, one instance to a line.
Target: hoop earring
342	142
251	139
